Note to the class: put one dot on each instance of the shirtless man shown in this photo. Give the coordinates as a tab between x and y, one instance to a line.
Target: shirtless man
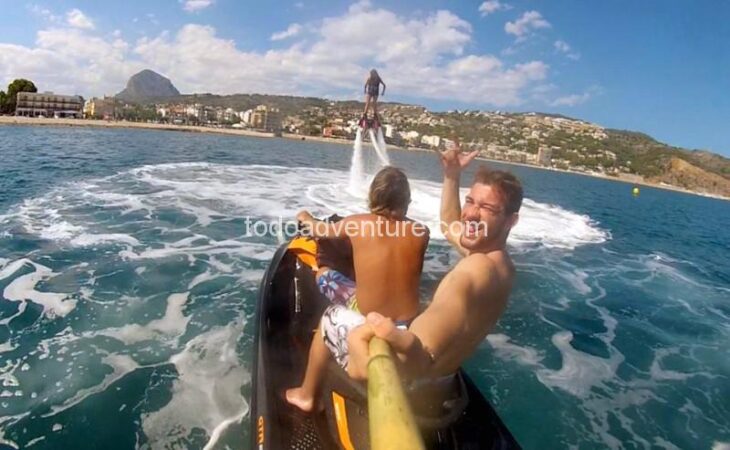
388	250
470	299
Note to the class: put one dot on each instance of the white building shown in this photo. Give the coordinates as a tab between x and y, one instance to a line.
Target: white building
195	110
48	104
432	141
389	131
246	116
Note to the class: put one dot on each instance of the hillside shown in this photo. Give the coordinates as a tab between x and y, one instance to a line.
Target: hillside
573	143
678	172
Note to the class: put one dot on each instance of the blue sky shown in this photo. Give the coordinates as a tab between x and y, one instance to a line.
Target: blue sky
660	67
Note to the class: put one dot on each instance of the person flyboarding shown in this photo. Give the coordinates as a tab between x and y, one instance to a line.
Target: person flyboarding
372	92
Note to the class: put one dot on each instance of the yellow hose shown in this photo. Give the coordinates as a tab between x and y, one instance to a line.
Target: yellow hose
392	425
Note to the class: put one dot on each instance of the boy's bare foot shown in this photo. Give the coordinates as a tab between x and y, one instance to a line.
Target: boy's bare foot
298	398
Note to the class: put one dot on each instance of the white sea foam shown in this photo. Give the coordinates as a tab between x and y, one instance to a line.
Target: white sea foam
7	346
210	192
555	227
3	439
121	365
35	441
510	351
580	371
22	289
219	265
184	247
207	392
201	278
171	325
87	239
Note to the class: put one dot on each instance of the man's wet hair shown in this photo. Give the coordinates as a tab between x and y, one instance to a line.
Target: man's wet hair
390	192
508	186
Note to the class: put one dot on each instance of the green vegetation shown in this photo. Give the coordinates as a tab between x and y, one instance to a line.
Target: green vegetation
8	100
591	149
137	113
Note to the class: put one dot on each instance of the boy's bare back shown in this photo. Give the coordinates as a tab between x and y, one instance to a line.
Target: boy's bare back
388	258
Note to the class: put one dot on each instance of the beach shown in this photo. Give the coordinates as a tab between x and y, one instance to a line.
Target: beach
28	121
31	121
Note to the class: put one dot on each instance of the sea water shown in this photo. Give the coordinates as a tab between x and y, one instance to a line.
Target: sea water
128	285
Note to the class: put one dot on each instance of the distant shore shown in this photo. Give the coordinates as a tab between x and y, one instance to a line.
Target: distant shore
622	178
27	121
12	120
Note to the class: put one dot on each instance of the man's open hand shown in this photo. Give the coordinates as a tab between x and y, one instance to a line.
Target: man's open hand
453	160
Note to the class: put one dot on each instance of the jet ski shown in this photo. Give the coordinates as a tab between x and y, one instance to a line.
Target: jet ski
451	415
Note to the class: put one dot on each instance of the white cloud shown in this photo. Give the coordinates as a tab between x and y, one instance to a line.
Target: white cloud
525	25
419	56
196	5
577	99
43	12
563	47
571	100
69	61
291	31
492	6
77	19
299	5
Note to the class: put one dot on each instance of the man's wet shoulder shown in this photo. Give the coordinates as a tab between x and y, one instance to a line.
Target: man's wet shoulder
486	265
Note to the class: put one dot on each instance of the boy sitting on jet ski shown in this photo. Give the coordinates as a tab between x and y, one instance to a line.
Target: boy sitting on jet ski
388	251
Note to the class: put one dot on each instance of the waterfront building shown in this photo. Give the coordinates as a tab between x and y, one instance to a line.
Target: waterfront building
266	118
100	108
48	104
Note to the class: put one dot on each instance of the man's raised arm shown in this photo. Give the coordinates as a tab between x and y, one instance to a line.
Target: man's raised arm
453	161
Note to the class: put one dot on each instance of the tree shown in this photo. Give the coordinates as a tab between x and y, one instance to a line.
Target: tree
18	85
2	101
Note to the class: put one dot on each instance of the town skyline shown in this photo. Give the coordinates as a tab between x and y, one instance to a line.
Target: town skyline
652	69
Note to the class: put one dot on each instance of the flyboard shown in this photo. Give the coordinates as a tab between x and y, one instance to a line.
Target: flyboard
372	128
375	130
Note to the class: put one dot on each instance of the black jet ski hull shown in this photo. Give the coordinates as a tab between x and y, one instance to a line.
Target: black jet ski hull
288	310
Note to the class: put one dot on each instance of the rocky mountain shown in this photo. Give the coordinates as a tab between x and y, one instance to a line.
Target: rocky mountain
678	172
146	85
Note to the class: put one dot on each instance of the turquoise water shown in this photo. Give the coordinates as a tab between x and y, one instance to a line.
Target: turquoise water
128	290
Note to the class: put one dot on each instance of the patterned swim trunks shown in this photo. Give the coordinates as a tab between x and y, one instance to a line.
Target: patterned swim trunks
338	289
337	322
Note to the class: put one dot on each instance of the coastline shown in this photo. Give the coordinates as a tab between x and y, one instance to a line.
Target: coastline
27	121
30	121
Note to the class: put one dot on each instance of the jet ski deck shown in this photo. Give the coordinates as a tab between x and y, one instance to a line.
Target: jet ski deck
288	311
